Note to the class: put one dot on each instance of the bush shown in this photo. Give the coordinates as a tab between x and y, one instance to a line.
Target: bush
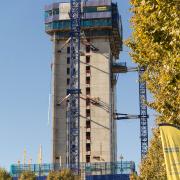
27	176
4	175
64	174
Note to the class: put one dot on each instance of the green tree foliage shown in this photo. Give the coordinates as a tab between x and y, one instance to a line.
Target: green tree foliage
65	174
155	45
27	176
4	175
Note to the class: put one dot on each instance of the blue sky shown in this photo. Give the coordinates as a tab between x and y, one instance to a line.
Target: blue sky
25	55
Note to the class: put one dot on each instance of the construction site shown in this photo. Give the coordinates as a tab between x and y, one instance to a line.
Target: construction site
87	42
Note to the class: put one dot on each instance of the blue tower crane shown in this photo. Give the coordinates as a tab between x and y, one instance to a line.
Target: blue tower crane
143	115
74	88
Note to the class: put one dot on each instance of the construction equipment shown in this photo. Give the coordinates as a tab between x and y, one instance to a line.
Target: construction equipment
143	113
121	116
74	88
143	116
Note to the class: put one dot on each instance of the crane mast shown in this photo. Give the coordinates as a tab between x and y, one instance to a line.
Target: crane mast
74	88
143	114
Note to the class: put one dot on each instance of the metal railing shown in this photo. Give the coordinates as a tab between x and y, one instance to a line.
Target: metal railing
100	168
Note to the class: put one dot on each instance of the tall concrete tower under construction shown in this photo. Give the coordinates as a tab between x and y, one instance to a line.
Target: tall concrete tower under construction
101	42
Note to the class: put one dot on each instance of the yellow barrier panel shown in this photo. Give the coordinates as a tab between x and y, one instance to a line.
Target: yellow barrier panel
170	136
102	8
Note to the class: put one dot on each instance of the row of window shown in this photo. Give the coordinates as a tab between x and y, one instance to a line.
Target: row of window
54	12
88	102
87	156
88	49
85	23
88	81
85	10
87	60
51	13
88	70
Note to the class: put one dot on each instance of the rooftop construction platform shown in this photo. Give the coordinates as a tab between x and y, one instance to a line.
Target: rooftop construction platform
99	19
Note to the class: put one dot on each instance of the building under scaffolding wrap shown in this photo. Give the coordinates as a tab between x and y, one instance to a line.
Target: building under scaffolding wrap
101	43
99	19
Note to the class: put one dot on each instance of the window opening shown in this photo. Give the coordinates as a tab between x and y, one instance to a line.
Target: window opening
87	158
87	59
88	91
88	135
87	102
68	81
88	80
88	112
88	147
88	48
68	60
88	124
68	50
68	71
88	69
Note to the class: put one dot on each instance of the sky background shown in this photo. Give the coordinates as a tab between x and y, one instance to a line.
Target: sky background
25	56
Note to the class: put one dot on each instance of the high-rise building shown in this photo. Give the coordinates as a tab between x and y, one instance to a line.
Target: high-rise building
101	42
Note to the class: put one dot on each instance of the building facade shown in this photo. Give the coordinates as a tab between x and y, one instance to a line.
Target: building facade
100	47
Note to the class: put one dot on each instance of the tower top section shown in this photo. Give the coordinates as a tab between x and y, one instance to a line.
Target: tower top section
100	18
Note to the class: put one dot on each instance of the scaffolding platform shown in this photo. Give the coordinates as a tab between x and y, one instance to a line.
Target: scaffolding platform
89	169
119	67
99	19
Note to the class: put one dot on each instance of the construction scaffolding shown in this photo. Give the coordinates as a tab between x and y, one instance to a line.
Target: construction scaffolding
99	19
88	169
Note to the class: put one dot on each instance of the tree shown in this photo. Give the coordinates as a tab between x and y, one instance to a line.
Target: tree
153	166
4	175
28	175
133	176
64	174
155	45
